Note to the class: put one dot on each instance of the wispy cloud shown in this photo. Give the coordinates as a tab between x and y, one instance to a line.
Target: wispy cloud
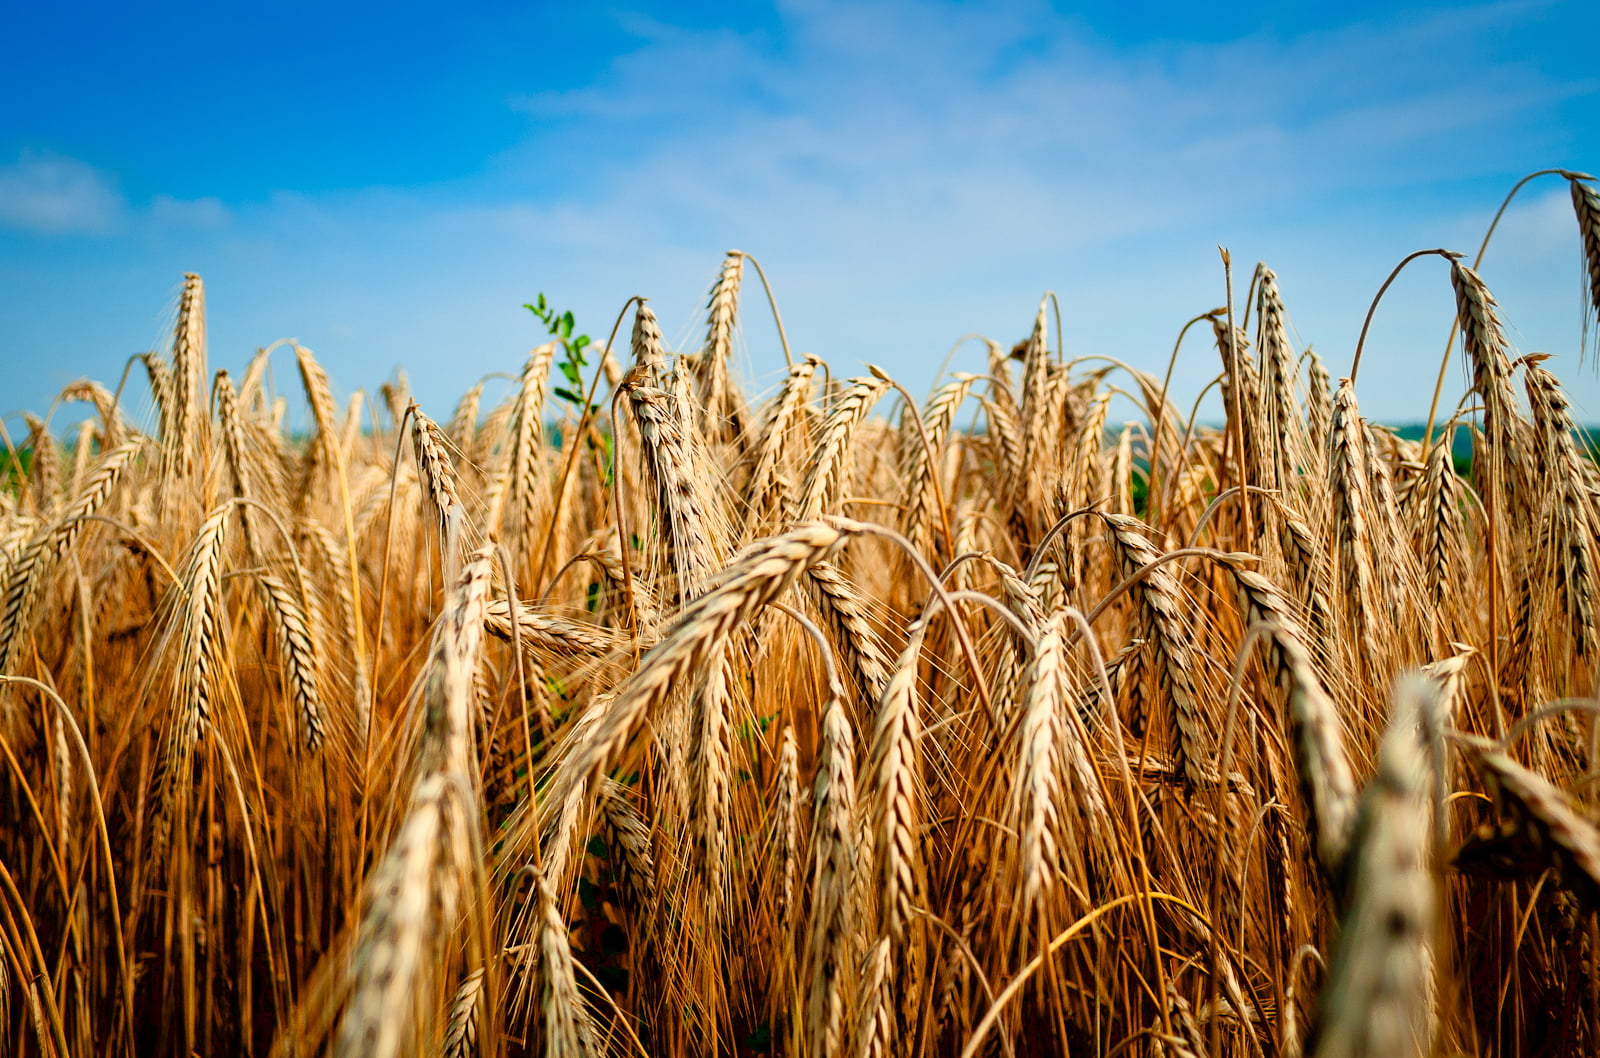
1020	130
52	195
205	214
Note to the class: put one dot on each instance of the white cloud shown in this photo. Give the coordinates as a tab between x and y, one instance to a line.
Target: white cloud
205	214
53	195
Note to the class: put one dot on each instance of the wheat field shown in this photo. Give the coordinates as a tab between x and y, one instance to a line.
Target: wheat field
638	715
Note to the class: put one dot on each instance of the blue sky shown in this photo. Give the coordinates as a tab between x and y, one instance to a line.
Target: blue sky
388	184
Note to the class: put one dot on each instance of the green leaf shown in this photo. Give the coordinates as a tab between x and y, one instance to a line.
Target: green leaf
567	323
567	395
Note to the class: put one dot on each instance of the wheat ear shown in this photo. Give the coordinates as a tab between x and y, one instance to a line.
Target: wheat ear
439	483
298	650
829	954
682	503
1376	1000
1352	501
29	572
44	470
1172	657
767	492
1586	204
412	902
724	410
1326	779
786	821
1569	548
694	638
855	640
1560	834
189	439
565	1029
200	586
1284	422
830	468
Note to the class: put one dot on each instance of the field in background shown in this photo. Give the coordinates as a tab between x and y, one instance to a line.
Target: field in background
630	716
